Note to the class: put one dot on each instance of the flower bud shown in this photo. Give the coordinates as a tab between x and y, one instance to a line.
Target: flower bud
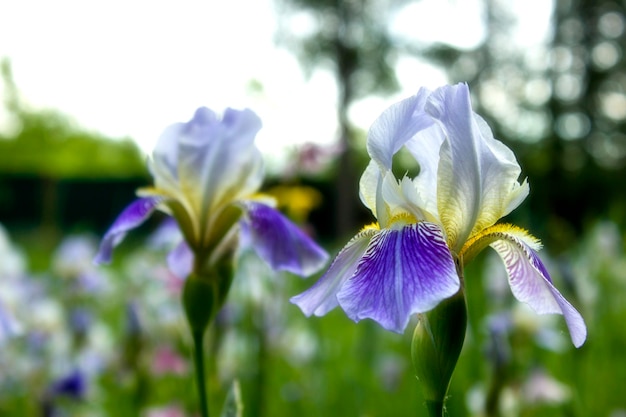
437	343
204	293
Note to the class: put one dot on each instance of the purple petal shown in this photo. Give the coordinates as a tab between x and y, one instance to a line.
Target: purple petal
73	385
322	296
281	243
531	284
180	260
132	216
403	272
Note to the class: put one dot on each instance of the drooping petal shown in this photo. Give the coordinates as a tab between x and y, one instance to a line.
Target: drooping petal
531	283
180	260
403	272
322	296
478	175
281	243
132	216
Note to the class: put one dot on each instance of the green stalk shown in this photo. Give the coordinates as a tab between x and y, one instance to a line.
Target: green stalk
435	349
203	295
435	408
199	297
198	360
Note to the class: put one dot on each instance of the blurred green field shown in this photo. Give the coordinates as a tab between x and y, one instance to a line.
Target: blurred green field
288	365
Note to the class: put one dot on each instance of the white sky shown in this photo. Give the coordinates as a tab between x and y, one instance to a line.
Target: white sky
130	68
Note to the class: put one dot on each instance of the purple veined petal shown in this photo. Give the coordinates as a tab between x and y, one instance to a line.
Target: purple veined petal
180	260
134	215
281	243
322	296
531	284
403	272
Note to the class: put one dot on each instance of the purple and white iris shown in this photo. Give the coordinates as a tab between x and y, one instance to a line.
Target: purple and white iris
406	262
206	174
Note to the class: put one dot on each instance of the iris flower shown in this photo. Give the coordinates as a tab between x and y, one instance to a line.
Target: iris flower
430	226
206	175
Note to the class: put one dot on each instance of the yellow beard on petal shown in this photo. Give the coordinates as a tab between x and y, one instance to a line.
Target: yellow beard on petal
371	226
400	220
479	241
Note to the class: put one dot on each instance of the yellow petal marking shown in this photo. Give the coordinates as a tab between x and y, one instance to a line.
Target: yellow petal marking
479	241
400	220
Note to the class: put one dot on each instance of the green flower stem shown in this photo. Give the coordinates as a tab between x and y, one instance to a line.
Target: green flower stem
198	356
435	408
436	346
199	301
203	295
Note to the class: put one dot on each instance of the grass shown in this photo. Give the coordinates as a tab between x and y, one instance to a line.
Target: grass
290	365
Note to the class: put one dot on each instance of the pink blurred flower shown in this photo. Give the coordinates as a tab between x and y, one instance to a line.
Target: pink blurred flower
166	361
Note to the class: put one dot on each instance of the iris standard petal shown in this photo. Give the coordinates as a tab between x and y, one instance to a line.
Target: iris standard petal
132	216
531	284
403	197
370	191
322	296
368	186
403	272
281	243
217	160
164	162
425	147
477	175
395	126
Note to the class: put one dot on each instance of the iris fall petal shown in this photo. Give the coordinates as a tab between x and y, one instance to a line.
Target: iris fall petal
402	272
281	243
531	284
322	297
134	215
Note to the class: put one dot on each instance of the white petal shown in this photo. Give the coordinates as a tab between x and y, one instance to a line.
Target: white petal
403	197
395	126
368	186
425	148
478	175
